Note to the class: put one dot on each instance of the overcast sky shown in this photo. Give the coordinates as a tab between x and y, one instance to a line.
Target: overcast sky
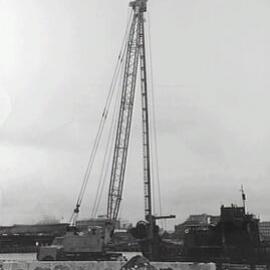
211	66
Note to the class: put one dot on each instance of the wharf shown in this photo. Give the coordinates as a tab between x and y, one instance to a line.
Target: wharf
103	265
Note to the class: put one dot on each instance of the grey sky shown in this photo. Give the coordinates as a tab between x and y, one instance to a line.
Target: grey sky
211	76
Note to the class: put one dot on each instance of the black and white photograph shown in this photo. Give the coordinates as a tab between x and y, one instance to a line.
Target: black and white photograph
134	134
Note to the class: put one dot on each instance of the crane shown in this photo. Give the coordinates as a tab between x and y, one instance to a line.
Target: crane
135	60
136	56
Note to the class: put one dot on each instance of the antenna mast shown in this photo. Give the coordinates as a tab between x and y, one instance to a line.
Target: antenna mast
243	197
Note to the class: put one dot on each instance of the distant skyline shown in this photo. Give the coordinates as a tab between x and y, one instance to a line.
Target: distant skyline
211	68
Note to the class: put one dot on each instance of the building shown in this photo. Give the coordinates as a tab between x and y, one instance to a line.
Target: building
100	222
235	237
264	230
195	222
25	238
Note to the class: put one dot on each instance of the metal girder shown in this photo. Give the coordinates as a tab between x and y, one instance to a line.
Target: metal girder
135	53
145	123
124	119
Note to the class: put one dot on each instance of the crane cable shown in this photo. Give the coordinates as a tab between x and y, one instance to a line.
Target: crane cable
154	162
112	131
107	156
154	126
100	131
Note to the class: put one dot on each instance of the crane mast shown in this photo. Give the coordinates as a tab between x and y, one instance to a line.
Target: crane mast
135	56
145	123
135	53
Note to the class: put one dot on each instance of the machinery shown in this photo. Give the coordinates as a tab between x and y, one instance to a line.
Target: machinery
74	245
92	245
235	237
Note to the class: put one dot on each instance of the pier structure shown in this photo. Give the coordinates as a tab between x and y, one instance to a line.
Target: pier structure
101	265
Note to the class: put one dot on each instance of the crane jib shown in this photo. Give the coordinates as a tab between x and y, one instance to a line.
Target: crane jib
135	54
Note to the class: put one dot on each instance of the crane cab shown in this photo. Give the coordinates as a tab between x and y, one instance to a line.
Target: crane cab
73	245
